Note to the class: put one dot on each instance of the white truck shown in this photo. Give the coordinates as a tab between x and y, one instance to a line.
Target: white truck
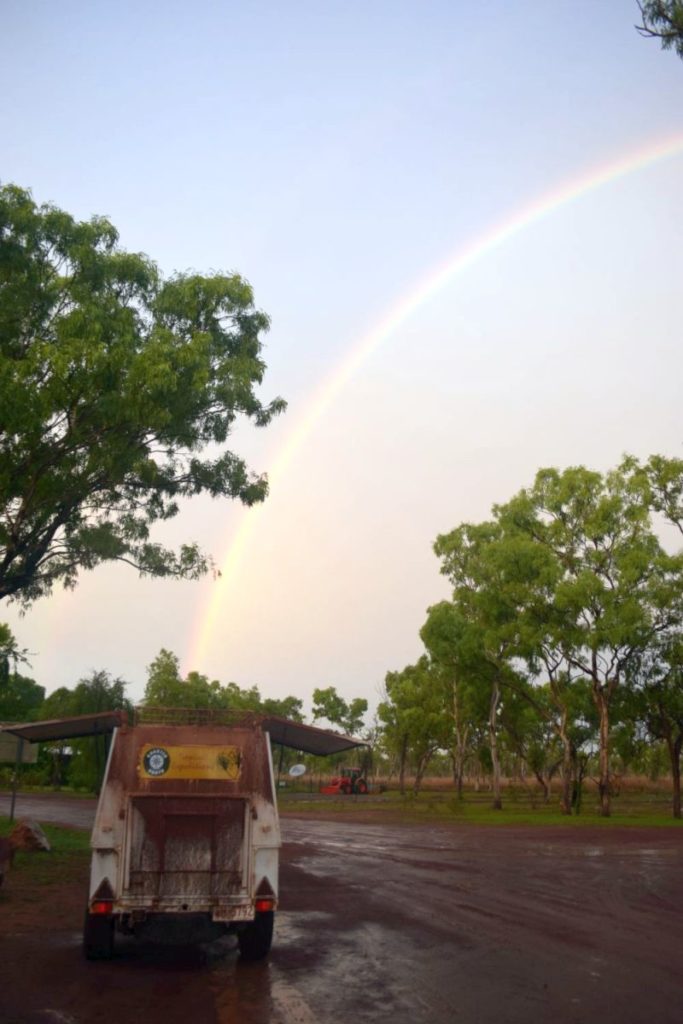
186	838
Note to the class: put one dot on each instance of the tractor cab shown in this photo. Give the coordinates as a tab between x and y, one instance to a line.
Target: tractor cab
350	780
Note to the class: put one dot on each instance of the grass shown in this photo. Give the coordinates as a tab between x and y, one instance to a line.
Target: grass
519	808
68	857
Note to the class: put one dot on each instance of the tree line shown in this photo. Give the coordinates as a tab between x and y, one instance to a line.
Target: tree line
80	763
563	636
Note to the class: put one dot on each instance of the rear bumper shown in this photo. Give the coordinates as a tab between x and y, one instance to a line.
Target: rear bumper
221	911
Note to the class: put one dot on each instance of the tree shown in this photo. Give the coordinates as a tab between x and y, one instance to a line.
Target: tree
10	653
413	716
570	576
348	716
93	694
285	707
663	20
118	391
167	689
658	687
443	634
489	618
20	699
618	590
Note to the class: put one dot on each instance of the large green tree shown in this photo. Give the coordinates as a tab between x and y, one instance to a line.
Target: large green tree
118	392
571	577
413	716
444	634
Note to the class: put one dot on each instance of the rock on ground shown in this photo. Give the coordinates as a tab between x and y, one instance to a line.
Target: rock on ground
28	835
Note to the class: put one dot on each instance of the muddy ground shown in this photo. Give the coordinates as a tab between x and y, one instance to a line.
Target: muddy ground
388	923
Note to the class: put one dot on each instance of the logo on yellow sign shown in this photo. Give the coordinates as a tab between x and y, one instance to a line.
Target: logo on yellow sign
190	762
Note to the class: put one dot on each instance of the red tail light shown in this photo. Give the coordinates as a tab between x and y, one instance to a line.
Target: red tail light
101	906
263	905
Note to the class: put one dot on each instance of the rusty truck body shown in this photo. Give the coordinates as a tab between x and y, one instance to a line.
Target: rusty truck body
186	838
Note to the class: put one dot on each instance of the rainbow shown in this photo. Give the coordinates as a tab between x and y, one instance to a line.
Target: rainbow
428	286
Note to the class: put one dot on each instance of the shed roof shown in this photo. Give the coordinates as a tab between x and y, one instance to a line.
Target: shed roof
307	738
68	728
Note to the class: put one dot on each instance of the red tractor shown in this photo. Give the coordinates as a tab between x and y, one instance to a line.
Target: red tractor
349	780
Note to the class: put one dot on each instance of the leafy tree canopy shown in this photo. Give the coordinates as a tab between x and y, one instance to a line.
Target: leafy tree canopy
663	19
348	716
10	652
166	688
20	699
118	391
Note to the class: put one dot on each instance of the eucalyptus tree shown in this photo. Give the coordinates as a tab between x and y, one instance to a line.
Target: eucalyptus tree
570	576
657	679
615	589
487	621
413	717
118	393
348	715
444	635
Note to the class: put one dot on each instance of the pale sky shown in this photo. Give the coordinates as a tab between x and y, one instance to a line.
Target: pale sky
335	154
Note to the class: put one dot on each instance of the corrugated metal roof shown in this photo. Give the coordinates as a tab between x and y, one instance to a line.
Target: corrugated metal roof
307	738
69	728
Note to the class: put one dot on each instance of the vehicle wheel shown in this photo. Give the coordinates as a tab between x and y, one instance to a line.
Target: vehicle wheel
98	937
256	939
345	789
361	786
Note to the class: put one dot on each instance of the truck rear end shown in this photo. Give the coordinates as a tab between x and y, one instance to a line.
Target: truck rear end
186	837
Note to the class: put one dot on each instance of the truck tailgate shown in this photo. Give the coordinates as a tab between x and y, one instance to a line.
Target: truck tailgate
186	846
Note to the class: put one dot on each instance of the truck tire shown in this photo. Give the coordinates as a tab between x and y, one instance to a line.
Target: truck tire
256	939
98	937
361	786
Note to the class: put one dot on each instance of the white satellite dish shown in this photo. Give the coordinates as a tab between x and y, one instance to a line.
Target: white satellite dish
296	770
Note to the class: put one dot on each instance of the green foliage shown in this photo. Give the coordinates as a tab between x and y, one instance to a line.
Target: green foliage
415	726
85	765
166	688
10	653
20	699
118	391
569	579
663	19
347	715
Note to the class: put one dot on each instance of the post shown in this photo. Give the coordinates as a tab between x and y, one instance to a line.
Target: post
279	766
15	778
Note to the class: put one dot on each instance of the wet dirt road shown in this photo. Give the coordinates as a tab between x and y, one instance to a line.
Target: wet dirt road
401	923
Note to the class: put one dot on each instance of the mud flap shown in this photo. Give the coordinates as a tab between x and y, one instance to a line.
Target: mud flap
256	939
98	936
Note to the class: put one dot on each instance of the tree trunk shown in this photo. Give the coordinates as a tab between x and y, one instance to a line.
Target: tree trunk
545	786
567	767
493	741
402	766
675	755
457	764
421	769
602	704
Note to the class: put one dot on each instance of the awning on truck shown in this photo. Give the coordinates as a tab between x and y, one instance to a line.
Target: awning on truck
68	728
307	738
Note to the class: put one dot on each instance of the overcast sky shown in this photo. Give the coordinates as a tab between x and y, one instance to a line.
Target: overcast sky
335	154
